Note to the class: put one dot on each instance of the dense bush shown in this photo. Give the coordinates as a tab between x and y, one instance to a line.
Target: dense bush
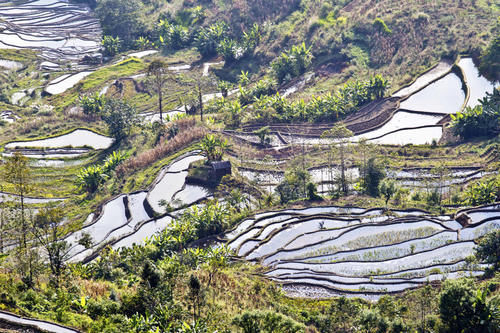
267	321
481	120
91	177
489	63
121	18
111	45
120	116
463	309
483	192
372	175
92	105
292	63
207	40
488	250
294	186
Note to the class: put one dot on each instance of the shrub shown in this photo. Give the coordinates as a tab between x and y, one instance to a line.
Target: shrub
489	64
488	250
463	309
91	177
483	192
112	45
267	321
294	186
380	25
92	105
373	174
292	63
120	116
207	40
481	120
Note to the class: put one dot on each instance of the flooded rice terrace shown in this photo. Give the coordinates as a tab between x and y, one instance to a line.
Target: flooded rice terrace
60	30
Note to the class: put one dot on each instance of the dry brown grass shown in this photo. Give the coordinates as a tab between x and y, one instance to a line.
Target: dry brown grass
189	132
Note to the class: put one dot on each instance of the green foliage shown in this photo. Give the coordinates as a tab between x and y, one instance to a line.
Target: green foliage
208	39
263	135
373	174
488	250
483	192
490	60
462	309
117	14
380	25
209	220
121	117
373	321
213	147
294	186
387	188
292	63
113	160
224	87
267	321
142	43
377	86
91	177
112	45
230	50
329	107
481	120
172	36
92	105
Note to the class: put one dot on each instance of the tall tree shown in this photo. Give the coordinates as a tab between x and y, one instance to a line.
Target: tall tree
47	228
158	74
121	117
340	135
17	173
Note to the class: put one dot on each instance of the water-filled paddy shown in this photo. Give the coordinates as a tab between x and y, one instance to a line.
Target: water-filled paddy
442	96
361	251
76	138
478	84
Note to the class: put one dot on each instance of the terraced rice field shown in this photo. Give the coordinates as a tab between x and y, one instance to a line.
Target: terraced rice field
328	251
416	118
59	30
128	219
70	145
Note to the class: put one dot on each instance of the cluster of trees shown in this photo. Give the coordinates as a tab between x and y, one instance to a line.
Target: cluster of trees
35	236
292	63
119	115
171	33
91	177
481	120
179	287
329	107
489	64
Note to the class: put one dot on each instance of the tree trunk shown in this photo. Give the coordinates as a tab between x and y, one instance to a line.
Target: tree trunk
160	97
200	101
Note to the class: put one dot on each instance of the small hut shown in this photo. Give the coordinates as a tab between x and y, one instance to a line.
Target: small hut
221	168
